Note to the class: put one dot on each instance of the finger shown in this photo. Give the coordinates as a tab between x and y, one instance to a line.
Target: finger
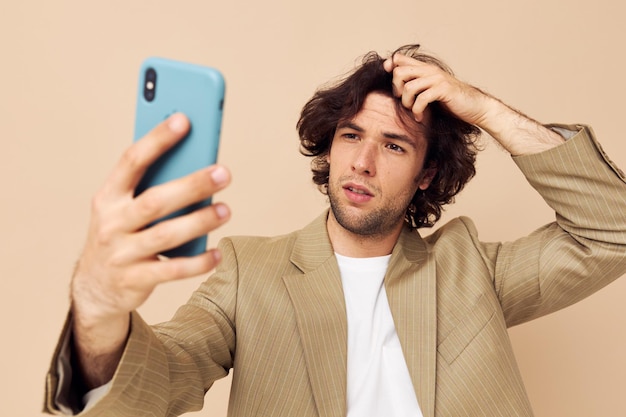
405	74
179	268
416	87
139	156
150	273
388	64
174	232
164	199
399	59
411	90
424	99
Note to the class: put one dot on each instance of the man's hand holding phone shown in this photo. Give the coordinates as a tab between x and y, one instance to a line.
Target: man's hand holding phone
119	267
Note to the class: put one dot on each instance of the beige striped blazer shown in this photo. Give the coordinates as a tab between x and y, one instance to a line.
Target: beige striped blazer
274	310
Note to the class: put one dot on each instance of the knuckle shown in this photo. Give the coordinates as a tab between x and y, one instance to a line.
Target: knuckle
198	187
209	262
398	71
209	218
148	205
202	183
117	260
133	158
175	270
98	202
125	282
443	79
105	235
159	236
206	222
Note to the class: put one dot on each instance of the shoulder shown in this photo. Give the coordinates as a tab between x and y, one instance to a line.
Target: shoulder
258	246
458	242
308	242
458	229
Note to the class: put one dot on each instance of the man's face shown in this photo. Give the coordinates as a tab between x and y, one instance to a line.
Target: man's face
375	169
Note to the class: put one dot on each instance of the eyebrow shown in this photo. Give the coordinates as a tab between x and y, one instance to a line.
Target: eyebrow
389	135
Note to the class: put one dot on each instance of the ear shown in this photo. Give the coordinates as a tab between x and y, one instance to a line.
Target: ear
426	177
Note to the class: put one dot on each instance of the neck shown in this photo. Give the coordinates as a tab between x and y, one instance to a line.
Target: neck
351	244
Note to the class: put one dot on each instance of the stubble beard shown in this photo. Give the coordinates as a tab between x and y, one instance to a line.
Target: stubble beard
379	222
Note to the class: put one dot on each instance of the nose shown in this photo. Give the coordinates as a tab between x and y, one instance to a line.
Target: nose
364	162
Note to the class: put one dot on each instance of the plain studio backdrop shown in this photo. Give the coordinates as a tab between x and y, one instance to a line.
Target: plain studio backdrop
67	96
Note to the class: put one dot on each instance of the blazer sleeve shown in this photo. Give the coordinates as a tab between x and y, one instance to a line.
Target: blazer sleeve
584	249
165	369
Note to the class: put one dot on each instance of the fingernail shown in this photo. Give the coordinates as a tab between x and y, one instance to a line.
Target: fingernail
222	211
176	122
219	175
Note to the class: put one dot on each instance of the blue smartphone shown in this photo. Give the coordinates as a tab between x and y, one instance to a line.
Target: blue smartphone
166	87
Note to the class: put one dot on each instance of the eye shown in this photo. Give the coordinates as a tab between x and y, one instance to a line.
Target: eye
395	148
350	136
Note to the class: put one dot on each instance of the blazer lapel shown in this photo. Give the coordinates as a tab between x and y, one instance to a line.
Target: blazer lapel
319	305
411	289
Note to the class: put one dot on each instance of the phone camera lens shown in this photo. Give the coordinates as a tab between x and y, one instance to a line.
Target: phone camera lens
149	85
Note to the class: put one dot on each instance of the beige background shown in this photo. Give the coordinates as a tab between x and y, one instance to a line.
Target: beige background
67	85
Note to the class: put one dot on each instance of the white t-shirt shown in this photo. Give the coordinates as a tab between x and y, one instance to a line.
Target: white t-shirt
379	383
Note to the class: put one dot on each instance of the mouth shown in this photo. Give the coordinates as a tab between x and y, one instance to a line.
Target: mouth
358	192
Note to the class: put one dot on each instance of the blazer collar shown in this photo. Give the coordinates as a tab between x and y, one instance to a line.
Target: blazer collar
319	305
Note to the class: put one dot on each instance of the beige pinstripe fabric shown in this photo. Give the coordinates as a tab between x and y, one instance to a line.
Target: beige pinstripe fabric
274	310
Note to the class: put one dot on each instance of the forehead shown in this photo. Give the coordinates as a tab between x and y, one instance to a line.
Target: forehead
381	107
387	113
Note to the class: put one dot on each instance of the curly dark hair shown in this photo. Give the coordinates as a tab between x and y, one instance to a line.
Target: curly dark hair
451	142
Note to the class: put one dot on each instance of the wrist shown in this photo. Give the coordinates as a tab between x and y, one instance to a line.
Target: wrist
516	132
99	335
97	350
496	117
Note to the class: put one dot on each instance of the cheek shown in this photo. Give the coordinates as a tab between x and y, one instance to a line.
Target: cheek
411	183
339	158
400	185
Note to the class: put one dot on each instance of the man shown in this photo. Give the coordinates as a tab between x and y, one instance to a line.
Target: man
356	314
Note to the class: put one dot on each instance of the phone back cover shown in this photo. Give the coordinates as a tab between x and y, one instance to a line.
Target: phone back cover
198	92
